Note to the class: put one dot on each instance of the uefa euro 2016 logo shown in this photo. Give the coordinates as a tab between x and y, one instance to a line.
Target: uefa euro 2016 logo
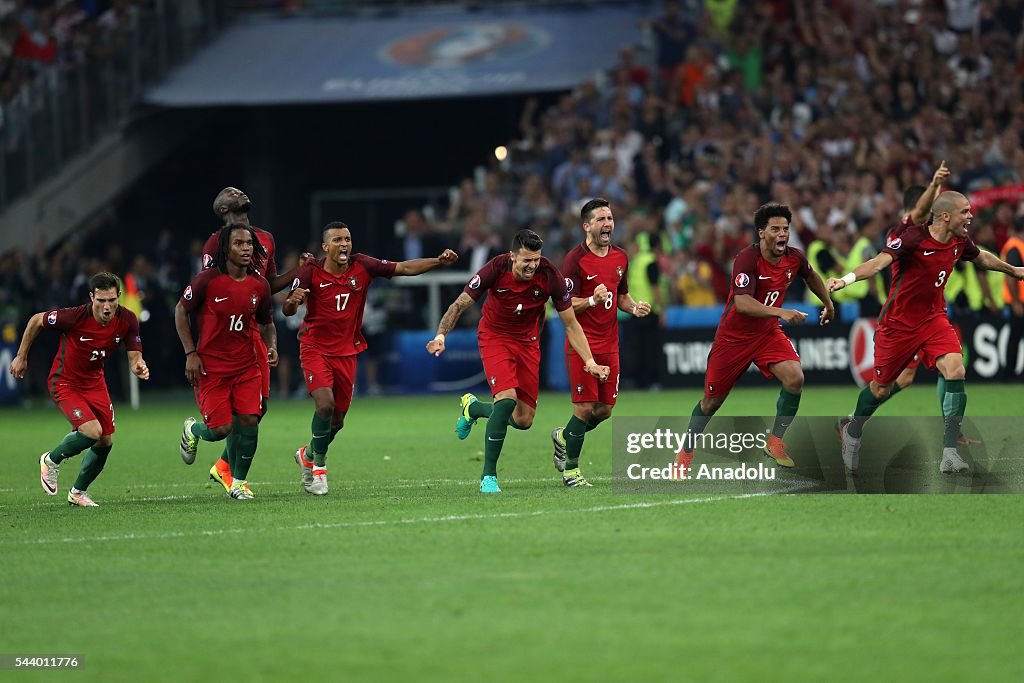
465	44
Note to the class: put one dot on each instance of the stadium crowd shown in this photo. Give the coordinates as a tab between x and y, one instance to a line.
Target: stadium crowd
831	107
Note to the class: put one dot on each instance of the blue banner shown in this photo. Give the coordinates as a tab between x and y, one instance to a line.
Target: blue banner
411	370
418	55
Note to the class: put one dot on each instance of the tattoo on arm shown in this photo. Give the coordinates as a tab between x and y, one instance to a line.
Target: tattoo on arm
454	312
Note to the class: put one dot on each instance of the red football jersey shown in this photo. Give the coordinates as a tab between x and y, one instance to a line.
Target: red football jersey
920	268
269	270
585	270
225	309
515	309
85	343
335	304
767	282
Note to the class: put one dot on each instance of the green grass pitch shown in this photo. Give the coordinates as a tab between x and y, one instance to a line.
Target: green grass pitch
404	572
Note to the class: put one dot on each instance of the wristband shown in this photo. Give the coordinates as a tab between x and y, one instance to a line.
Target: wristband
189	353
849	279
591	302
439	338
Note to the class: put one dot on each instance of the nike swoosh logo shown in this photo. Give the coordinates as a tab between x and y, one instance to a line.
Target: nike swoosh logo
325	284
591	277
493	439
85	338
502	291
218	299
928	253
764	277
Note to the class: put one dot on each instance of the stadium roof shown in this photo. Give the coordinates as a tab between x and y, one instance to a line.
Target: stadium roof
420	56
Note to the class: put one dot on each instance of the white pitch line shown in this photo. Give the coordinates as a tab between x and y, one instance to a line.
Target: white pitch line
406	521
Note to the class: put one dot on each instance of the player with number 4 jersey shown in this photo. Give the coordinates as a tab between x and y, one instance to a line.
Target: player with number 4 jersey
750	331
913	320
518	285
334	291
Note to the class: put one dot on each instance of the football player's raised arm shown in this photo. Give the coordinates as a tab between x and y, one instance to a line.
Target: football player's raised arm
923	208
869	268
418	266
992	262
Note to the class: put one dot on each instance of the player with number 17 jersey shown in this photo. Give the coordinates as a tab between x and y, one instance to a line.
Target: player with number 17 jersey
336	303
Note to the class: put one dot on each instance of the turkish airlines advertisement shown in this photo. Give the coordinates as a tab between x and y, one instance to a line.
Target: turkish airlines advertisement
844	352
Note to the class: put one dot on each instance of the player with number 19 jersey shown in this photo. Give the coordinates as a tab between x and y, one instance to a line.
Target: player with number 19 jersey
743	339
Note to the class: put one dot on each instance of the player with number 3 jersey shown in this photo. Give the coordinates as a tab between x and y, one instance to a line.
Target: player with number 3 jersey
913	320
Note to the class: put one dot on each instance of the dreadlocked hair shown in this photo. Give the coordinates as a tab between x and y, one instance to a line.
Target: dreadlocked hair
220	259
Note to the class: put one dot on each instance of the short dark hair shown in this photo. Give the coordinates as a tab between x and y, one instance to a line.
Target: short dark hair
333	225
104	280
911	195
771	210
587	210
527	239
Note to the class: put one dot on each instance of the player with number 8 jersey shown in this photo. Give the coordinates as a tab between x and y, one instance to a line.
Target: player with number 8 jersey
334	290
596	273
